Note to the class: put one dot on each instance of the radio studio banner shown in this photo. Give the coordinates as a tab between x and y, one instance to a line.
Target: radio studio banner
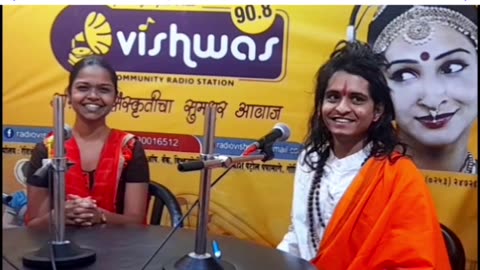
255	64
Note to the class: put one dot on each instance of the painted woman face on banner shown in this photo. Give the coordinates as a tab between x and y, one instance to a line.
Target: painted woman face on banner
432	71
434	86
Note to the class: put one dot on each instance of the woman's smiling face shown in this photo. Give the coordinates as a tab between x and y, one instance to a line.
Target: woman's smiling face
434	86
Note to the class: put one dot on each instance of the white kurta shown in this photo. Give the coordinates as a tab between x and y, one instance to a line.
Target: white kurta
337	176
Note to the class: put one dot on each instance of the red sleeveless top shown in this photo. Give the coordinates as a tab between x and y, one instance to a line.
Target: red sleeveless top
116	153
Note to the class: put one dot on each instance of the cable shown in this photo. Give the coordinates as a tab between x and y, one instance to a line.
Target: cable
9	262
361	17
174	229
51	226
353	25
353	15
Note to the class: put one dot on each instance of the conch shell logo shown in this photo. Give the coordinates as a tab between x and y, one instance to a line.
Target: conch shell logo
96	38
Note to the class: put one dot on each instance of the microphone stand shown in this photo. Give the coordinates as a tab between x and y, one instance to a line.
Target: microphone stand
200	259
221	161
66	254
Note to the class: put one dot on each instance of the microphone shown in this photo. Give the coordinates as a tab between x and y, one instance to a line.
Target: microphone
58	252
219	161
67	132
41	173
202	164
280	133
200	258
6	199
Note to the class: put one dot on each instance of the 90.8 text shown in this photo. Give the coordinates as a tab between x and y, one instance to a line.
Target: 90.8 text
248	12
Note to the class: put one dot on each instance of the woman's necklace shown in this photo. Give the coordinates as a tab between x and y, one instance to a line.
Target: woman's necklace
314	201
468	164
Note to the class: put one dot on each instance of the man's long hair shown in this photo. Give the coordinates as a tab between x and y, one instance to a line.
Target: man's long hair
355	58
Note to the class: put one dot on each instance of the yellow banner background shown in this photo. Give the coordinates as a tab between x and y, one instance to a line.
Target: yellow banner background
248	205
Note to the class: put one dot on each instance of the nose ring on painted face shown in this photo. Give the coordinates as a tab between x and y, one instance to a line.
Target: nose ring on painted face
434	114
432	111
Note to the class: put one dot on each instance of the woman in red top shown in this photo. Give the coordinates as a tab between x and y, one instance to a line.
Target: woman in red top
108	182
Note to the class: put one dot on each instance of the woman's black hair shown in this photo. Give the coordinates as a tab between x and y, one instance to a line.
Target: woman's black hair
93	60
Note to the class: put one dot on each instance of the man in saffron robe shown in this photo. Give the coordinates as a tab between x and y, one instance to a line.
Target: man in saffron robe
359	202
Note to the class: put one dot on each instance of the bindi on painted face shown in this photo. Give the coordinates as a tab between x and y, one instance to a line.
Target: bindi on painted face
445	65
92	92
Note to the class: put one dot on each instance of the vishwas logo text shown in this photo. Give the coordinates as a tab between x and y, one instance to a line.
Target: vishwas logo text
170	42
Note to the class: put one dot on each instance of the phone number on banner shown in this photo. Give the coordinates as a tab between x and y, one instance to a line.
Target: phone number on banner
168	142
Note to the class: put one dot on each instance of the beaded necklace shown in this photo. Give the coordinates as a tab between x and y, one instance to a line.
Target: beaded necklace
314	199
